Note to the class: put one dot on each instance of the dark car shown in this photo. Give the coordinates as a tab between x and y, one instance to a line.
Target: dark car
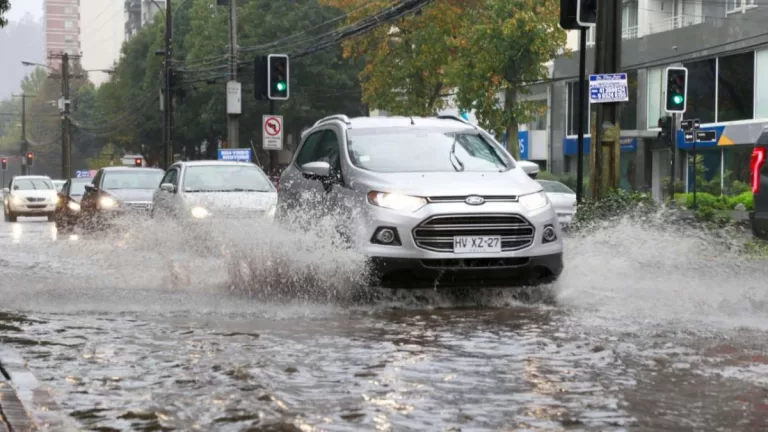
116	192
759	179
68	205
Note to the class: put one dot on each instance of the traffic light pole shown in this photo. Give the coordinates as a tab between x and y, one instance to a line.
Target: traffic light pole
582	113
605	151
66	131
272	158
233	120
673	153
24	143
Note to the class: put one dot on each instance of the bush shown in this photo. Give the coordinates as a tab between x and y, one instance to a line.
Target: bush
703	199
745	198
739	187
616	204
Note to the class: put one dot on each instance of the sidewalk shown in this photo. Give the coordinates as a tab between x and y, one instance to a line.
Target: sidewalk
25	404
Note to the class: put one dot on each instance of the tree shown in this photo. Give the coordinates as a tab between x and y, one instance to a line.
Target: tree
5	6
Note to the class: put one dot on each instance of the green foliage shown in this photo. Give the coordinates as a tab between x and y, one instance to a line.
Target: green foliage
715	202
744	198
615	205
5	6
739	187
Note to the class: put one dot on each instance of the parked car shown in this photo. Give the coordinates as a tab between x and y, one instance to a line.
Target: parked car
430	201
199	190
68	205
118	191
29	196
759	181
563	199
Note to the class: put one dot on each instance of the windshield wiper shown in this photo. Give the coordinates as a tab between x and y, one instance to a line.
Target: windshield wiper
453	156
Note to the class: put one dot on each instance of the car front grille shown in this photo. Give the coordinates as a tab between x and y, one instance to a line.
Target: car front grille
437	232
462	198
138	206
34	200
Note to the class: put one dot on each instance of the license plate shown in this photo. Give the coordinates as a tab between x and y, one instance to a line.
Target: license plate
476	244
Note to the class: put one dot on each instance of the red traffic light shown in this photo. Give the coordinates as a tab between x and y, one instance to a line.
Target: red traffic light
4	160
137	161
29	155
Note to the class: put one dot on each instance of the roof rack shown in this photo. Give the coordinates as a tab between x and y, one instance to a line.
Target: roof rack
457	118
340	117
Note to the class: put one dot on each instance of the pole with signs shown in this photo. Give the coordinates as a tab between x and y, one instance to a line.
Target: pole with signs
692	135
606	89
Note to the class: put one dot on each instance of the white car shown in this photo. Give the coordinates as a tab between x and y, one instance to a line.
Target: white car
563	199
202	190
29	196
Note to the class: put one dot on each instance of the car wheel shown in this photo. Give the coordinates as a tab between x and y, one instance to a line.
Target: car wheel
51	217
10	217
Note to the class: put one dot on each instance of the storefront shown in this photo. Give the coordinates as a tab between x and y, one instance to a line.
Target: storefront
628	179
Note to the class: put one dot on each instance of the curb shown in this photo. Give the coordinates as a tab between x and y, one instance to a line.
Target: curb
25	404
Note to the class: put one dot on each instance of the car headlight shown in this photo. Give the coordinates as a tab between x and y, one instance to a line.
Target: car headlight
17	201
534	201
73	206
395	201
199	212
107	202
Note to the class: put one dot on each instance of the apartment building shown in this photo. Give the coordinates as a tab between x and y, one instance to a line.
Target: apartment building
138	13
723	44
62	27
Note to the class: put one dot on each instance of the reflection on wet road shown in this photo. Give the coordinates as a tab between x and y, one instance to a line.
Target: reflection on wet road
198	359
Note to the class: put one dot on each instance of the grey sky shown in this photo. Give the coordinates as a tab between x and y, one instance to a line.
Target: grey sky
19	8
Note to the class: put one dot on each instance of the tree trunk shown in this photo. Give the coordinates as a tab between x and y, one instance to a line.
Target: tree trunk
510	102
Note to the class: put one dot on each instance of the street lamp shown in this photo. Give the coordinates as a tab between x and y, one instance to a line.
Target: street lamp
28	63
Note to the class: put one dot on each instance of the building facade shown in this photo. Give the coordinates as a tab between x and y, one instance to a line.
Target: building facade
723	45
62	28
138	13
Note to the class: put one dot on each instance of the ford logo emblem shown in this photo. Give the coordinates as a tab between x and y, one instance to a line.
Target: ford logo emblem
475	200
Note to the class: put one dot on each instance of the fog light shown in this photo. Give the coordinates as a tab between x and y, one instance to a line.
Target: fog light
550	234
385	236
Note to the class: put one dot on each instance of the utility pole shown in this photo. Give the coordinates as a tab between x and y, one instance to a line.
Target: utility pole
167	97
24	143
64	106
605	127
233	87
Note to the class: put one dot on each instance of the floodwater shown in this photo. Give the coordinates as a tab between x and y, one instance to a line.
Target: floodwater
149	329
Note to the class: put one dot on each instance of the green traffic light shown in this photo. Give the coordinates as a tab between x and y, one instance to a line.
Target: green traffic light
677	99
281	86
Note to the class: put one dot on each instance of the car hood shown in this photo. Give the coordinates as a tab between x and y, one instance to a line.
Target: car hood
34	193
513	182
562	201
232	200
131	194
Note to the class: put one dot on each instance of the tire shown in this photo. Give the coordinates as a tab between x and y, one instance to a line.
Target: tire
51	217
10	217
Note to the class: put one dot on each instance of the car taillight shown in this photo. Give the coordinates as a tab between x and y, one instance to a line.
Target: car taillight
755	165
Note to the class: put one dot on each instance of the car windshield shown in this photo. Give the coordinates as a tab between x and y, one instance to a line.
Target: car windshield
77	188
132	179
226	178
555	187
424	150
32	184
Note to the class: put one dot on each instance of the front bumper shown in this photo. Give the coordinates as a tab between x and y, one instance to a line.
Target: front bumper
31	209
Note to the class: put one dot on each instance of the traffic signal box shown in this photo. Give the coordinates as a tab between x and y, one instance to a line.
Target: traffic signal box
137	162
30	159
4	163
676	89
277	76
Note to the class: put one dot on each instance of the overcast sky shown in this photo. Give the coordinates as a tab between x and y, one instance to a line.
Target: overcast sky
19	8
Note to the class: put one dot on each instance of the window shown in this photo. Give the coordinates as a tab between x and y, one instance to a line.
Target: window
732	6
701	94
32	184
69	38
629	109
555	187
761	86
68	10
629	19
171	177
68	24
321	146
655	109
132	179
77	187
226	178
539	120
424	150
735	87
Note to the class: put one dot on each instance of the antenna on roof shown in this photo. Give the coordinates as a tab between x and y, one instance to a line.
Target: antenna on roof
412	123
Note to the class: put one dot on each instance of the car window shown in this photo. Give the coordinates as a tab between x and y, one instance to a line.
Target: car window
171	177
424	150
132	179
77	188
317	147
226	178
555	187
32	184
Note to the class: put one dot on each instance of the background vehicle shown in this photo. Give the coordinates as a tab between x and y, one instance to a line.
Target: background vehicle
68	205
759	179
29	196
215	189
563	199
431	201
58	184
118	191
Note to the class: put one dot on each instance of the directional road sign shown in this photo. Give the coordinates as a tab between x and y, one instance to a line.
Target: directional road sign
272	131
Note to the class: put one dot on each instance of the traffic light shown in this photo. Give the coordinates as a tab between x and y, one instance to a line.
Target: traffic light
4	163
667	129
277	76
260	83
568	15
30	159
137	162
586	12
676	89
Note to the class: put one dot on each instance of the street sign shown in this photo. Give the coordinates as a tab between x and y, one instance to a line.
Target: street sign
83	174
272	131
235	155
608	88
690	136
704	136
696	123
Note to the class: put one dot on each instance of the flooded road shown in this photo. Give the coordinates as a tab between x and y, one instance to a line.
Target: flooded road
653	331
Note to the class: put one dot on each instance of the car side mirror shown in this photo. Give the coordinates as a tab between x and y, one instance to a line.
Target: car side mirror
530	168
317	169
90	188
168	187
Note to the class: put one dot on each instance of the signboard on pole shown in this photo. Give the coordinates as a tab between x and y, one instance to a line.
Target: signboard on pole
272	131
608	88
235	155
84	173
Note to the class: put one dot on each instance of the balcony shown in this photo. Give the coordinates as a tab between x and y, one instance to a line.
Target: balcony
674	22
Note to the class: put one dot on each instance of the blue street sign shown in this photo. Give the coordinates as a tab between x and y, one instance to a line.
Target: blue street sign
606	88
235	155
83	174
522	141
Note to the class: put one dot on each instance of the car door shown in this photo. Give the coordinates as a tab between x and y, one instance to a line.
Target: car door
164	202
301	193
61	202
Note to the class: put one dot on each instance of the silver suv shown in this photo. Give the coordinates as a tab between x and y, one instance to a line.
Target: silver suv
431	201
